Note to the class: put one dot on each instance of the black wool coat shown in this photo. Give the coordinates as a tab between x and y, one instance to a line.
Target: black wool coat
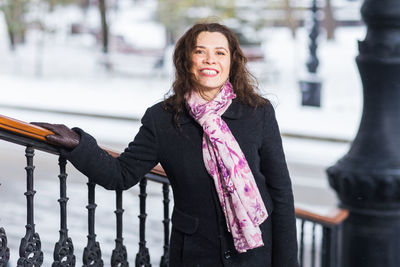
199	235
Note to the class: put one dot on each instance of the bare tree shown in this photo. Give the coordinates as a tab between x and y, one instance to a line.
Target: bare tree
292	23
174	13
329	21
85	5
104	25
14	14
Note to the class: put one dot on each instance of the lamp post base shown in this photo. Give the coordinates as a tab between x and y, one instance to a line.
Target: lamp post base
360	230
310	92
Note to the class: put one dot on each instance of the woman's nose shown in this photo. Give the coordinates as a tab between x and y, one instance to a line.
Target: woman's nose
209	58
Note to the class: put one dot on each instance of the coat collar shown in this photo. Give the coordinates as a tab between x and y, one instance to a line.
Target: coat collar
234	112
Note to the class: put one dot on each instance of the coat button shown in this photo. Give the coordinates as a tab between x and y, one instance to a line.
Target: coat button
228	254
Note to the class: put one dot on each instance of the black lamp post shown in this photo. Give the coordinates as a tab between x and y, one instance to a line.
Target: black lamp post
311	86
367	178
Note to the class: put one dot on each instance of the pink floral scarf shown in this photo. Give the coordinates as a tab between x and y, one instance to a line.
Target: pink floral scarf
237	191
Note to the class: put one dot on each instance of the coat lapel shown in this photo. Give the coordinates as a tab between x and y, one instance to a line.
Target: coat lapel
234	111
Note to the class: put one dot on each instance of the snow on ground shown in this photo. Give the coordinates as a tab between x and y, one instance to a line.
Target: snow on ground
71	76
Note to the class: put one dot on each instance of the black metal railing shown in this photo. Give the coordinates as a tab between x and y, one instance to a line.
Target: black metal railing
325	229
31	254
4	250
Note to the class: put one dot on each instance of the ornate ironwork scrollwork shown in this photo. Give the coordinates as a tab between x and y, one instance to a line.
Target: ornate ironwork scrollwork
119	255
4	250
92	253
143	257
64	251
30	249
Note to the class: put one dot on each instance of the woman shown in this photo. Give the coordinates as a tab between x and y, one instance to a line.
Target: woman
219	144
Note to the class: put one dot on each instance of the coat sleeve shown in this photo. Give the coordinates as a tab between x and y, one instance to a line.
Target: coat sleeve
117	173
274	168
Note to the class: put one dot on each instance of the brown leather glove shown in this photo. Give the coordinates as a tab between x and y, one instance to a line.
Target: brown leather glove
63	136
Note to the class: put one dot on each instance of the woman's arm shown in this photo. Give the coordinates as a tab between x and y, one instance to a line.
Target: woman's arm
274	168
116	173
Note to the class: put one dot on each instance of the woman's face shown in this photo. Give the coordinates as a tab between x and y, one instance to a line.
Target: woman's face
211	62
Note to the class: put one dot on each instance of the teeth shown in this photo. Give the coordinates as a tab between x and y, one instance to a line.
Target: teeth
209	72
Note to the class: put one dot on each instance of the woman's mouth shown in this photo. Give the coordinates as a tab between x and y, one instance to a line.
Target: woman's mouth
209	72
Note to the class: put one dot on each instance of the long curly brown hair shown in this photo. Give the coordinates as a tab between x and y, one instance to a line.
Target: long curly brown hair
244	83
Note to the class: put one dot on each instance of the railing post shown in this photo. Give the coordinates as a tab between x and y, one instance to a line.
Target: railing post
143	256
64	249
165	258
30	252
119	255
92	251
4	250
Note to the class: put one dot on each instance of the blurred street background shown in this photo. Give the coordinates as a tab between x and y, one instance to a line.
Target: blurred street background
56	67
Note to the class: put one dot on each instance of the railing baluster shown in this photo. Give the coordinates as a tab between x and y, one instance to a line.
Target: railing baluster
165	258
119	255
143	256
326	247
92	252
302	243
337	243
4	250
313	246
30	252
329	246
64	248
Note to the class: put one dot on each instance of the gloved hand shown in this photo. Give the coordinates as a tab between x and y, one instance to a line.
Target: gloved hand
63	136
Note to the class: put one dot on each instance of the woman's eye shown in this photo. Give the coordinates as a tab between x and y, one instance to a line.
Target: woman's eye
198	51
220	53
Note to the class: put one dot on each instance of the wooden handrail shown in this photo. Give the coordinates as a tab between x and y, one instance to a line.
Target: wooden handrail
36	132
23	128
335	216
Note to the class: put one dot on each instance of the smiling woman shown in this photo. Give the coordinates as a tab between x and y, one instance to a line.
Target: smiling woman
211	62
219	144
